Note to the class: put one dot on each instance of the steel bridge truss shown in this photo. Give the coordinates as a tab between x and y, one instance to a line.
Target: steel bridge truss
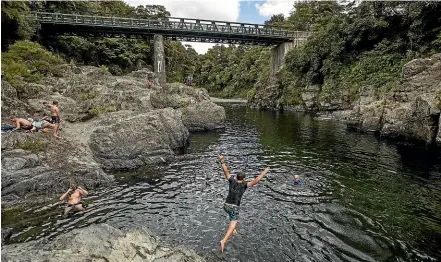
182	29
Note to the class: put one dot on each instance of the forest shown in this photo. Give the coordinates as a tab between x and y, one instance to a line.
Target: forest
352	46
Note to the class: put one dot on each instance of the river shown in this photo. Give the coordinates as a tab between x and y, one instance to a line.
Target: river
363	198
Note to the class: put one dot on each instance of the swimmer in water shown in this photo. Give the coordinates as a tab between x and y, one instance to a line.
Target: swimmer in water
297	180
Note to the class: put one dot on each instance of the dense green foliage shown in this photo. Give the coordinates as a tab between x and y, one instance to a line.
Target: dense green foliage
362	46
28	60
15	26
352	47
120	55
232	71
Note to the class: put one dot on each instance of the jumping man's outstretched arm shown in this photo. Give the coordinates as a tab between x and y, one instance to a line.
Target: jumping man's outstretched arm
257	179
224	167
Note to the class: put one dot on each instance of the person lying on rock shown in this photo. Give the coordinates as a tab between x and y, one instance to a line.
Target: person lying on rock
74	201
21	123
55	115
235	192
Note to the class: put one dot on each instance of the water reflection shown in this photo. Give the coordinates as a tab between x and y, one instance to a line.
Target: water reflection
360	201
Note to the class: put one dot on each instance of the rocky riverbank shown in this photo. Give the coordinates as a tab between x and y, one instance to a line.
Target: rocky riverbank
99	243
407	109
113	123
410	111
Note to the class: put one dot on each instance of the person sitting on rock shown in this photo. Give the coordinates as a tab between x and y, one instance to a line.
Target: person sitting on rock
74	201
21	123
297	180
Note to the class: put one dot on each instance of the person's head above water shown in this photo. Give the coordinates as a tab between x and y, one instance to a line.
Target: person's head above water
240	176
296	178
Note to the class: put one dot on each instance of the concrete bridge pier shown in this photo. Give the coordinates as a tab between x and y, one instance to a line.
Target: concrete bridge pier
159	59
278	58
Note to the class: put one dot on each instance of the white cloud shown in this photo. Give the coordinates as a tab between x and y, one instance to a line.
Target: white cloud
225	10
274	7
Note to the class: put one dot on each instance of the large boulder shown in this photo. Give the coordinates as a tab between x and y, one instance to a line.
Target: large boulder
174	95
11	105
98	243
310	96
416	120
203	116
139	140
8	91
33	90
266	94
37	167
416	66
411	110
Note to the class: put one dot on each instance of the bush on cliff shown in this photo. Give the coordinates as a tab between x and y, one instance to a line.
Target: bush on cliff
28	61
15	24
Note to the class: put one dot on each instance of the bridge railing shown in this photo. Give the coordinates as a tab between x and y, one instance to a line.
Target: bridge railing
171	23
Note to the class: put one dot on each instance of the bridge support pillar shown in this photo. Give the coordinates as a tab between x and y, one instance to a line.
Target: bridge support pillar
159	59
278	57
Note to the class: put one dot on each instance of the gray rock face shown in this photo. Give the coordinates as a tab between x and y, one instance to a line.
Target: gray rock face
99	243
266	95
203	116
11	105
412	110
310	97
174	95
416	66
144	73
8	91
140	140
44	168
110	124
197	114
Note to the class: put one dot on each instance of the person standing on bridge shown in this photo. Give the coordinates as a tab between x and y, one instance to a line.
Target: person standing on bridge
235	192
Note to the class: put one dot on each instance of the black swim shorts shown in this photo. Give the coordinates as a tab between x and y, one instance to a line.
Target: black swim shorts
55	120
232	211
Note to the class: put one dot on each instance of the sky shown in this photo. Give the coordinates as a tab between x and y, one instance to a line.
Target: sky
247	11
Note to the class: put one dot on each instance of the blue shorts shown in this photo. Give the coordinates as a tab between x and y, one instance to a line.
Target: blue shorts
232	211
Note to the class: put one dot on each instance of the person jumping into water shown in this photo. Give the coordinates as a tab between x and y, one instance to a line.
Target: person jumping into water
235	192
74	201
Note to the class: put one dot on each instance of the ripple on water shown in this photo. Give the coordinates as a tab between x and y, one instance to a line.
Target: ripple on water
360	202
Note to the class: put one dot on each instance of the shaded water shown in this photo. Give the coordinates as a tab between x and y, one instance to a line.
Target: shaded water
364	199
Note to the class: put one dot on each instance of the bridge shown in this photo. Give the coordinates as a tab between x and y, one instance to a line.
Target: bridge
172	28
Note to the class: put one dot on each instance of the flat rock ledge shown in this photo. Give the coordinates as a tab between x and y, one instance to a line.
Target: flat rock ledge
98	243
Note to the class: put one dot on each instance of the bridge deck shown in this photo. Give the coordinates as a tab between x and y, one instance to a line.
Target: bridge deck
171	28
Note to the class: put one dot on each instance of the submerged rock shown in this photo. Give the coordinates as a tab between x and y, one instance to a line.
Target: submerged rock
99	243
